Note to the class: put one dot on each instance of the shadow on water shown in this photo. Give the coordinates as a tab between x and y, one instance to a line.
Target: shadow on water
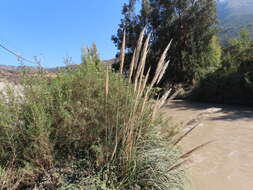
226	112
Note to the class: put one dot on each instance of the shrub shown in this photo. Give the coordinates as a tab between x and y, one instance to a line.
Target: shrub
232	88
88	128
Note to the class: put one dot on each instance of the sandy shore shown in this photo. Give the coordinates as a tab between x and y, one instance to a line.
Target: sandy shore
227	163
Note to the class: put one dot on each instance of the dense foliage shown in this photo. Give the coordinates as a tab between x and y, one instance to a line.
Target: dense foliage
233	82
195	49
85	128
217	73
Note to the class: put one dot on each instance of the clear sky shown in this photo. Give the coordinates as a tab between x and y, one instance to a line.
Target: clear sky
57	28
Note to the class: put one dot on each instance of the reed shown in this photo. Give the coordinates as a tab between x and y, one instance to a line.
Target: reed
91	118
122	57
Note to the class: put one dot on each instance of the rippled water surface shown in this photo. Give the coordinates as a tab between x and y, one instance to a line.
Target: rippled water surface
227	163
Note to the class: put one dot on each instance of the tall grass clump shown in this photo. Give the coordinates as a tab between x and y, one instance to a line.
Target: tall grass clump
89	128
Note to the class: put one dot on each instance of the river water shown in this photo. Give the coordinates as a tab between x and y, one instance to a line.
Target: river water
227	163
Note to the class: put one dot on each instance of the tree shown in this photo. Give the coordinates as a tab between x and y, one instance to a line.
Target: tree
191	25
233	82
238	53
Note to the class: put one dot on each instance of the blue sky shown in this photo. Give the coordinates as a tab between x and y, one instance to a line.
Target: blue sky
57	28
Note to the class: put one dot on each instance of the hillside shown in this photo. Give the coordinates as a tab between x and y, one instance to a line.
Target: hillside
234	15
10	68
12	74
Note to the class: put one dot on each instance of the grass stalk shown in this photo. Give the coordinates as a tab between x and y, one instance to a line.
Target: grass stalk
122	53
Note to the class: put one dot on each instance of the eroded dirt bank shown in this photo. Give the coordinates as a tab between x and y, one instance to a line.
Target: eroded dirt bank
227	163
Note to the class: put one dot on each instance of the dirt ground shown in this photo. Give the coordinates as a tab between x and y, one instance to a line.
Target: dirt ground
227	163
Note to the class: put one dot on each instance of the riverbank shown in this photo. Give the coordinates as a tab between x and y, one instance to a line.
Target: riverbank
227	162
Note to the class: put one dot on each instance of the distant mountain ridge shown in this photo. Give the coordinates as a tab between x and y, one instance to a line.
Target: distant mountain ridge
238	5
22	68
233	16
53	69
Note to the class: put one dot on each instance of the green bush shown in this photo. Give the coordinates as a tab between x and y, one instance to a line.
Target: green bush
85	128
232	88
232	83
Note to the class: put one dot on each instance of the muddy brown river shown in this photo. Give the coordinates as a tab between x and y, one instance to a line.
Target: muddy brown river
227	163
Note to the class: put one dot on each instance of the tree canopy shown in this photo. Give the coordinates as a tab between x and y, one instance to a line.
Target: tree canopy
190	24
